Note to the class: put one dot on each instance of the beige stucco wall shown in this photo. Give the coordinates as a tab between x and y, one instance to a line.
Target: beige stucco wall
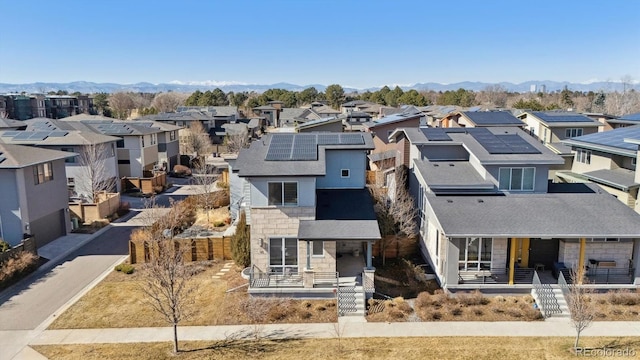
275	222
499	254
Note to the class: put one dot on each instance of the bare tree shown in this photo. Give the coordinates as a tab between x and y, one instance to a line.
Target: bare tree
204	177
197	140
236	142
167	281
396	212
121	104
580	305
169	101
495	95
95	175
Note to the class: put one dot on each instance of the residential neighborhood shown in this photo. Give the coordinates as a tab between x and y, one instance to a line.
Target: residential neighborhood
324	180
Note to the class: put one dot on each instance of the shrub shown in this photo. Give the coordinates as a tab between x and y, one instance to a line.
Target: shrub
469	299
306	304
4	246
478	312
396	314
623	297
457	311
436	315
320	307
241	246
125	268
499	298
219	224
17	266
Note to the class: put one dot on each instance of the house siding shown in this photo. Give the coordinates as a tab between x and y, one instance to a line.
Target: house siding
620	252
336	160
260	190
10	207
325	263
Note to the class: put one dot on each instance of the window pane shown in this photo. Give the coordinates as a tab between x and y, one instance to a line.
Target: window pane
486	249
291	252
275	193
504	178
516	179
567	133
472	249
529	174
275	252
578	132
318	247
291	193
463	249
588	157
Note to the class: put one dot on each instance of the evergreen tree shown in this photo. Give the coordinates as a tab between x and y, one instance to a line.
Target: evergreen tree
241	245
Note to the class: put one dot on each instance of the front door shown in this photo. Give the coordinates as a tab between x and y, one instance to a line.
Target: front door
283	255
543	251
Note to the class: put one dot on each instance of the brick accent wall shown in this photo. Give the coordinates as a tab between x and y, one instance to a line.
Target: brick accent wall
268	222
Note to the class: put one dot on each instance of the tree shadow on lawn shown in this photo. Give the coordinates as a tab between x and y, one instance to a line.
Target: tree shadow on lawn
252	340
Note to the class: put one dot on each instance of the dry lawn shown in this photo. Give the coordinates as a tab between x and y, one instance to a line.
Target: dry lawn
475	307
118	302
617	305
513	348
217	219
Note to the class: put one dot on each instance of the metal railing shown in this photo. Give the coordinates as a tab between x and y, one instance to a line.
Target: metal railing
611	276
547	301
325	279
496	276
261	279
562	282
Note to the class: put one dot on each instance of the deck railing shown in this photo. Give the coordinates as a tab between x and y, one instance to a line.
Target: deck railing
496	276
547	301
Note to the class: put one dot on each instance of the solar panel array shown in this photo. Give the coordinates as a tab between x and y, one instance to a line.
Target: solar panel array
614	138
2	158
111	128
504	144
35	135
304	147
551	117
436	134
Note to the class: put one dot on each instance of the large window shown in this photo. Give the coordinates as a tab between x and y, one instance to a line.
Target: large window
475	254
283	255
517	179
43	173
283	193
569	133
583	156
71	159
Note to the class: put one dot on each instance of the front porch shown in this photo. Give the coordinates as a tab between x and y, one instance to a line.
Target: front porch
496	262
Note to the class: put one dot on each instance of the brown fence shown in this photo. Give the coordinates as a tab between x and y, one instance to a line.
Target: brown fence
199	249
150	184
396	246
107	204
28	245
371	177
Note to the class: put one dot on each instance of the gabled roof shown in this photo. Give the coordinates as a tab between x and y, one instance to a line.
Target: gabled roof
623	179
492	118
356	103
612	141
319	122
290	154
563	119
558	215
18	156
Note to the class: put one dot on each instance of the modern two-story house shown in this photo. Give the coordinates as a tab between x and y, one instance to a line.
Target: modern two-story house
34	194
608	159
311	216
490	218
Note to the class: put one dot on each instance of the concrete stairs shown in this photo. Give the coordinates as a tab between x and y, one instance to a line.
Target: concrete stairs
351	301
551	301
562	302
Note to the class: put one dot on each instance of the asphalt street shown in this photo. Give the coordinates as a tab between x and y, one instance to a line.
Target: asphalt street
33	300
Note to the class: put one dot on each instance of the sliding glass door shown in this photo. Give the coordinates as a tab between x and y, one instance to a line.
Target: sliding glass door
283	255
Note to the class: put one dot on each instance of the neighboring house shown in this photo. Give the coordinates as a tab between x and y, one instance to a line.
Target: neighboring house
623	121
383	127
608	121
138	149
45	133
481	119
490	219
353	120
608	159
330	124
3	107
34	194
270	113
310	212
435	113
23	107
551	127
293	116
355	105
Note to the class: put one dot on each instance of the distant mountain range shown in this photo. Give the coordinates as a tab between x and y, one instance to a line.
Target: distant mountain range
86	87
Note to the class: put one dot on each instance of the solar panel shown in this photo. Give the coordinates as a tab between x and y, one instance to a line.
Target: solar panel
562	117
505	144
39	135
351	139
328	139
10	133
303	147
58	133
2	158
24	135
436	134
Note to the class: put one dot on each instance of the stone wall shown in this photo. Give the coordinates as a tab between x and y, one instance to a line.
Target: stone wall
269	222
325	263
620	252
499	255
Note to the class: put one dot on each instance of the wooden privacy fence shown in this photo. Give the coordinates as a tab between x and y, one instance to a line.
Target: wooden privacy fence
108	203
150	184
196	249
28	245
396	246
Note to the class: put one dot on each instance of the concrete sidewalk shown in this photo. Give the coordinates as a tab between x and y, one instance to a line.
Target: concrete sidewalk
350	329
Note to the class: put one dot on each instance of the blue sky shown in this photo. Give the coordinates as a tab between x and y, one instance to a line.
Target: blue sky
353	43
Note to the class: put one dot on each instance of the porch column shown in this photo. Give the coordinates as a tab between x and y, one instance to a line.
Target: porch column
580	266
512	260
369	254
636	260
308	267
